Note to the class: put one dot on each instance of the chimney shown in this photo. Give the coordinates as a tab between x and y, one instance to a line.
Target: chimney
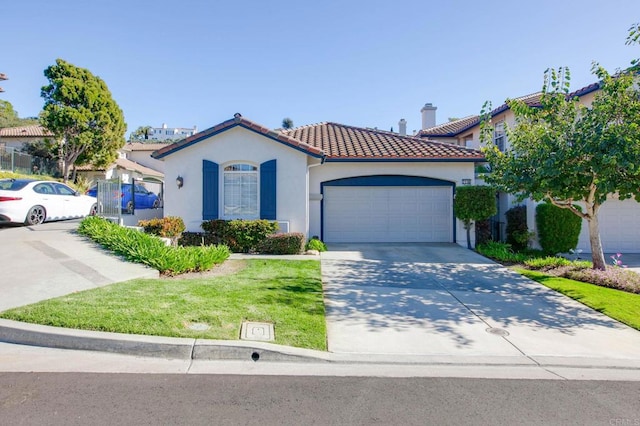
402	127
428	116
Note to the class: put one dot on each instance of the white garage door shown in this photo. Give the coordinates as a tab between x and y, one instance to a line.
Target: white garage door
619	227
387	214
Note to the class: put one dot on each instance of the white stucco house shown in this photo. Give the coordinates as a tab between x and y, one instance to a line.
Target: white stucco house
619	220
338	182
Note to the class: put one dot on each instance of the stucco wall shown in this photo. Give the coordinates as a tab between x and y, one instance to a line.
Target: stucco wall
232	146
453	172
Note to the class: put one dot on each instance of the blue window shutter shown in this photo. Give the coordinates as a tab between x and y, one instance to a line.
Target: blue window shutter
209	190
268	190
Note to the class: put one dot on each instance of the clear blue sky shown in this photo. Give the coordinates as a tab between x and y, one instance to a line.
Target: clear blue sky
363	63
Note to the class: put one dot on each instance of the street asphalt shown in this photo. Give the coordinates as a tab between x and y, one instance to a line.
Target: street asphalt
423	308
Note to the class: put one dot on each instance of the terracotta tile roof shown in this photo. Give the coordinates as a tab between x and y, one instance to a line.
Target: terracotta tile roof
140	146
451	128
342	142
123	163
35	130
454	128
240	121
132	165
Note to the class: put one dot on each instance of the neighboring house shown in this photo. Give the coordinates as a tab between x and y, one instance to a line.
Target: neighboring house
17	137
171	133
619	220
338	182
141	154
123	169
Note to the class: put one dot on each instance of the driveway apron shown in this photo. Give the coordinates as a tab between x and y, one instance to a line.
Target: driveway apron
445	300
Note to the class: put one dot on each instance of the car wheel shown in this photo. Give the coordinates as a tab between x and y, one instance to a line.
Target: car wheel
36	215
129	208
156	203
94	210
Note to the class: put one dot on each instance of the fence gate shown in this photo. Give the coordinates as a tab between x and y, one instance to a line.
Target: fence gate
109	199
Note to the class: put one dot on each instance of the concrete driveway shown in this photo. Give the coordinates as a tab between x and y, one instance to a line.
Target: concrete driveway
51	260
444	300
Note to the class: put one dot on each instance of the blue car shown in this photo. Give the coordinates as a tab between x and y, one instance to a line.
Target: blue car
144	199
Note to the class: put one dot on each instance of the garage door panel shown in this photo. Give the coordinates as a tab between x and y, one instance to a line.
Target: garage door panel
388	214
619	227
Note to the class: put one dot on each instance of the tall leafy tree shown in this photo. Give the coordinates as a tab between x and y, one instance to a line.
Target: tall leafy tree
81	112
566	152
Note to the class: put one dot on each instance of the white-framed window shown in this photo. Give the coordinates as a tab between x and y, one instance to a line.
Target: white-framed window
499	136
240	191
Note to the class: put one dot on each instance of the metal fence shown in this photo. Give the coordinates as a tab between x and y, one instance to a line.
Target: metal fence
15	161
108	196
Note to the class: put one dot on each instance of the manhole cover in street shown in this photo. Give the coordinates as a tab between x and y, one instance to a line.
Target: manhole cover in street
497	331
198	326
257	331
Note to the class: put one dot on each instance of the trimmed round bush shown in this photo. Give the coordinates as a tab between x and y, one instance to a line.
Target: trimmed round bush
558	229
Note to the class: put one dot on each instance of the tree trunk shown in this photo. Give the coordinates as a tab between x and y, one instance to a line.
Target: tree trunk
467	226
597	256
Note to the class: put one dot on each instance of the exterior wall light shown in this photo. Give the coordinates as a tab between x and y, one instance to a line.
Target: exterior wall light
180	182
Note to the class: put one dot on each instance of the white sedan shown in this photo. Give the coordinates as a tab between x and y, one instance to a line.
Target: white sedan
32	202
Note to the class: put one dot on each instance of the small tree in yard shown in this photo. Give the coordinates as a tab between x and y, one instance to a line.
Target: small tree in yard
474	203
80	111
565	152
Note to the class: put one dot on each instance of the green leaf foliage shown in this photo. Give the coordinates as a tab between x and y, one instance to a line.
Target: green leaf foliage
148	249
565	152
9	116
81	112
558	229
517	230
474	203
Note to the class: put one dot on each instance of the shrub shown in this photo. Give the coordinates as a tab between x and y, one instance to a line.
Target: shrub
483	231
241	236
149	250
287	243
558	229
517	231
546	263
315	244
613	277
473	203
197	239
501	252
167	227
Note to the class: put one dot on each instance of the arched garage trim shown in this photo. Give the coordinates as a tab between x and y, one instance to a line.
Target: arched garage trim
386	180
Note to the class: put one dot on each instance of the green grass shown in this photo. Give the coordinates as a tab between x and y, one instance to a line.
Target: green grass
617	304
285	293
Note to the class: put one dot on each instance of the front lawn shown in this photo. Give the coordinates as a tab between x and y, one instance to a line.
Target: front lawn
285	293
617	304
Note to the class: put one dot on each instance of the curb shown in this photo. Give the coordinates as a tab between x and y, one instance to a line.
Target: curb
186	349
151	346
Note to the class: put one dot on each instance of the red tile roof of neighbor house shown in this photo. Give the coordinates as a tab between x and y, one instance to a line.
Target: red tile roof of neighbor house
34	130
338	142
454	128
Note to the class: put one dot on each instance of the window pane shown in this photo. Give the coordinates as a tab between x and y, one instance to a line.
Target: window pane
240	192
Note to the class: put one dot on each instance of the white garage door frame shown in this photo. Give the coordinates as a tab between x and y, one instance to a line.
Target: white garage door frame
387	181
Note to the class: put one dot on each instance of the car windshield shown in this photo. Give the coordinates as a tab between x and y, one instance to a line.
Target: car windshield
14	184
